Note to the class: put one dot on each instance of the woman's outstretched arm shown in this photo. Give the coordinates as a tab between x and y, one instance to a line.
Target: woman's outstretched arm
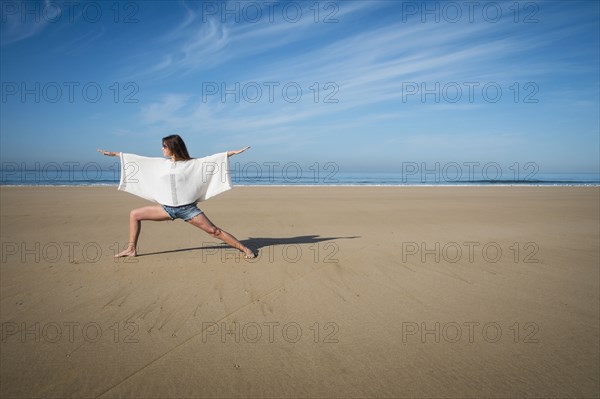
230	153
110	153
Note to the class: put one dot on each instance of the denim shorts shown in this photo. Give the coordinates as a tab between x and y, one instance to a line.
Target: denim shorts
185	212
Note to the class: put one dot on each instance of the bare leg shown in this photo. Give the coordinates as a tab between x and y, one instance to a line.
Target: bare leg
205	224
154	212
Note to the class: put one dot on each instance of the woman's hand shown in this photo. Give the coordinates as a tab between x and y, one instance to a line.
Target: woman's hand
109	153
230	153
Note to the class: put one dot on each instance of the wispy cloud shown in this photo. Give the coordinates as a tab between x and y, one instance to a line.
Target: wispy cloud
80	43
206	40
369	67
17	26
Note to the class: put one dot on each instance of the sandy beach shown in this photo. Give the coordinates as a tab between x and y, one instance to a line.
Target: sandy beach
356	292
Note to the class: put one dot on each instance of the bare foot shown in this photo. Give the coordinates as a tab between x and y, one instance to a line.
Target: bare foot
249	254
127	252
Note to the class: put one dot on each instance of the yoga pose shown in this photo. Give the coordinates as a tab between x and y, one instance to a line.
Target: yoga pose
173	147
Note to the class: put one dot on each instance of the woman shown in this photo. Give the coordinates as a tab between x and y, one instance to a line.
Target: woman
173	147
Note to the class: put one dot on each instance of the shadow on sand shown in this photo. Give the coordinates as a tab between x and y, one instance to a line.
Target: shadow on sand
256	243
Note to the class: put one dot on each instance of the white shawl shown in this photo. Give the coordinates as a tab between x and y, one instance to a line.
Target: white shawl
175	183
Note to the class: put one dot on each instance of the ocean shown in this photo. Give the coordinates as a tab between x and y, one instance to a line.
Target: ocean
296	176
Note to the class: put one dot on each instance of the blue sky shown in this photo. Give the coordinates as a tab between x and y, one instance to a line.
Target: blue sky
396	81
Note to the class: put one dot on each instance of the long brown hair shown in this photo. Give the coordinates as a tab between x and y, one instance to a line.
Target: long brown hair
175	143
